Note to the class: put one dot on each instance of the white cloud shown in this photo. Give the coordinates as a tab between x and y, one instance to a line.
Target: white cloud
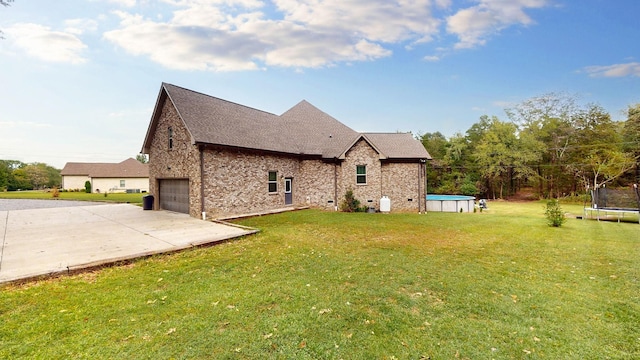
49	45
79	26
233	35
185	47
374	20
475	24
230	35
616	70
125	3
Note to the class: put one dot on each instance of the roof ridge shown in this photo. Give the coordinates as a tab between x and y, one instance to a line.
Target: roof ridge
217	98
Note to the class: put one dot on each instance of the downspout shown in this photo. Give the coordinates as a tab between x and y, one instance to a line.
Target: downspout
335	184
424	172
419	185
204	214
381	193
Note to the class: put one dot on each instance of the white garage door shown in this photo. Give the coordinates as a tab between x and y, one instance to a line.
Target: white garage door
174	195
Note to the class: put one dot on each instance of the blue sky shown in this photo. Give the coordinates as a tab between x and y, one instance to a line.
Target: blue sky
79	79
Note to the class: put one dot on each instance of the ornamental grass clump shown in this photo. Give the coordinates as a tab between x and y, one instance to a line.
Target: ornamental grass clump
555	215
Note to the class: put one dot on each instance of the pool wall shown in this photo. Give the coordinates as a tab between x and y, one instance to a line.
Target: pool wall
450	203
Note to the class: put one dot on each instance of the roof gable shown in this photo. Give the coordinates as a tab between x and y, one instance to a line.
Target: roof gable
315	132
397	145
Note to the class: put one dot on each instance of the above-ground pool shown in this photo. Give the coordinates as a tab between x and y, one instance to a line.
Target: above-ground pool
450	203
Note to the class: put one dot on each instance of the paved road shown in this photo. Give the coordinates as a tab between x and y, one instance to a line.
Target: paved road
26	204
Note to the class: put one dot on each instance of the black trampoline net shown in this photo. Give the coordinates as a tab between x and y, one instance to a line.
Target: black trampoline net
615	198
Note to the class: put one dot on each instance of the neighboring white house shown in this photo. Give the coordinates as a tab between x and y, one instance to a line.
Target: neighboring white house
127	176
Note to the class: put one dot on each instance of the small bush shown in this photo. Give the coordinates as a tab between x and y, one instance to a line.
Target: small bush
468	189
351	204
55	193
87	187
554	213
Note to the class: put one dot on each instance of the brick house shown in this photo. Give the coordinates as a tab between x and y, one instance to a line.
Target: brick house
215	157
127	176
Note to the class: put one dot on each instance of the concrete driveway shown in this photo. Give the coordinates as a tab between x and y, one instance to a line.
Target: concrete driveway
51	241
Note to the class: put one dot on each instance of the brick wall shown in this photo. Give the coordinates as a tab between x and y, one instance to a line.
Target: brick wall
403	183
236	182
316	184
369	194
180	162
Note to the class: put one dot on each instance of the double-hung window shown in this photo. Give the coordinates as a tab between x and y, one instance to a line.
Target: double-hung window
361	174
273	181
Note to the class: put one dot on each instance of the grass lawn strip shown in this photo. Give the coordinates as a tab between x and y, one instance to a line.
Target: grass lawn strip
78	196
320	285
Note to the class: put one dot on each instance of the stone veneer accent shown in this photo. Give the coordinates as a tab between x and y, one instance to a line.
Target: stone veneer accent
236	181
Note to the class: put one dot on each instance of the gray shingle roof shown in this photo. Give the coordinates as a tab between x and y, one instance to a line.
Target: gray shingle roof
130	168
398	145
301	130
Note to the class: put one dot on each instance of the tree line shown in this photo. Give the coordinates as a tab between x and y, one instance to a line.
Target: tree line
550	145
16	175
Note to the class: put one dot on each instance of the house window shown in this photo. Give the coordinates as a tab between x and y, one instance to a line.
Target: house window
170	137
121	183
361	174
273	181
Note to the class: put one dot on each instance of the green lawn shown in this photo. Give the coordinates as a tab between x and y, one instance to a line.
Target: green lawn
321	285
81	196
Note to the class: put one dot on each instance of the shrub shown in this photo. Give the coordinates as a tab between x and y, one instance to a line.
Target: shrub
87	186
469	189
55	192
554	213
351	204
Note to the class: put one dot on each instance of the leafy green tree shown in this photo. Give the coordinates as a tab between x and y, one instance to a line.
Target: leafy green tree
16	175
448	169
54	179
436	145
504	157
7	176
547	118
631	138
19	180
597	155
5	172
142	158
533	113
554	213
494	154
605	166
37	175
